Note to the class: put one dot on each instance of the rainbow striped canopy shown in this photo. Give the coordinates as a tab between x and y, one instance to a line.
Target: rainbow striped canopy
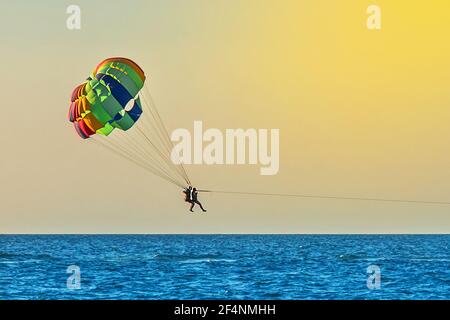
108	99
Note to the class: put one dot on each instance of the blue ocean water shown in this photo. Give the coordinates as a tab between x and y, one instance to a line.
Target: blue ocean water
224	266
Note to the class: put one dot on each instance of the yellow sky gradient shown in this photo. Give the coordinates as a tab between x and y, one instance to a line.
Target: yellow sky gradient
361	113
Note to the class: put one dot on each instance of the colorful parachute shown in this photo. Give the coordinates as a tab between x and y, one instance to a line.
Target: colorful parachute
115	96
101	103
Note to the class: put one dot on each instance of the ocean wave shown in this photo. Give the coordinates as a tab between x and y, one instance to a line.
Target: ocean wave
207	260
188	258
430	259
8	255
350	257
24	256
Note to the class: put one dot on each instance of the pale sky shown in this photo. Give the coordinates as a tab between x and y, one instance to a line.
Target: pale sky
361	113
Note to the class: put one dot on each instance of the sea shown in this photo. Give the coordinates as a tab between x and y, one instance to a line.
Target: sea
132	267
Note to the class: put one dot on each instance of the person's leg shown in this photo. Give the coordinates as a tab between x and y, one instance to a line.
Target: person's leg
201	207
192	206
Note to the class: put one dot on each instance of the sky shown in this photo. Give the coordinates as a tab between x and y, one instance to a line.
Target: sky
361	113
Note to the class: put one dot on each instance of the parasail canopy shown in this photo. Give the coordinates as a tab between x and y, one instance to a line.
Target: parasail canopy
115	97
102	102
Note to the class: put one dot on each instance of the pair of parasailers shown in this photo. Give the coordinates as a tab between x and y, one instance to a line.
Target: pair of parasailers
191	196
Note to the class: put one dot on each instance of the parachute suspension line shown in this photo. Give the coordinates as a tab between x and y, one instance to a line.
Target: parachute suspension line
149	115
146	133
148	151
161	154
128	148
328	197
153	111
162	132
146	155
116	149
135	158
162	128
157	157
132	145
146	144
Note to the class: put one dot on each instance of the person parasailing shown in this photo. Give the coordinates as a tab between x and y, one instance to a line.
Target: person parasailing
188	194
194	200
